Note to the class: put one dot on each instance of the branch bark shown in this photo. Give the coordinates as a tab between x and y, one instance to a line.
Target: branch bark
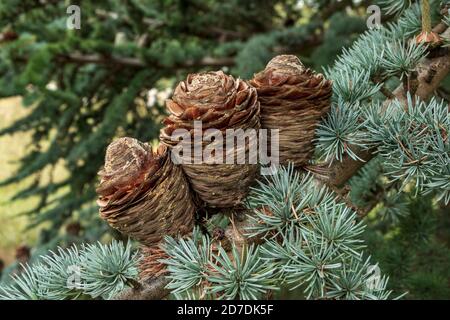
137	63
153	289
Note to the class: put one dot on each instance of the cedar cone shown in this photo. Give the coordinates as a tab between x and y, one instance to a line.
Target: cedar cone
150	266
220	102
142	194
293	99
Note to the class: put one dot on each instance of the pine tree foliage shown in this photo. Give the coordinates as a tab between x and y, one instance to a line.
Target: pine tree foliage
92	271
400	58
413	145
245	275
311	241
338	131
416	253
369	189
395	7
195	271
190	264
359	117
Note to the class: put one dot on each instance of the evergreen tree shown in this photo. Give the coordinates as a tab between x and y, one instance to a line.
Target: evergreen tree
303	229
84	87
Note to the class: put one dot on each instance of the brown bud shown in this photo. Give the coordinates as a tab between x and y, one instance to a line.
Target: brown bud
430	38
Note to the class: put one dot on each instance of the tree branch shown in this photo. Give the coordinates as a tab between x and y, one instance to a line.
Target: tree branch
431	73
137	63
152	289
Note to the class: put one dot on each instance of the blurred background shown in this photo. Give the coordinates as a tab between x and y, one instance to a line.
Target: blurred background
66	92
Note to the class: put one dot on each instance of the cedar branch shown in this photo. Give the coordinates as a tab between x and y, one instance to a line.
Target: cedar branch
339	172
137	63
431	73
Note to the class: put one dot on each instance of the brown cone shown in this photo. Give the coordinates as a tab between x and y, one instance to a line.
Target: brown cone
150	266
293	99
220	102
142	194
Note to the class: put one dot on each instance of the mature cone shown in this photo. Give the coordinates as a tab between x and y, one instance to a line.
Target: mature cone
220	102
142	194
293	99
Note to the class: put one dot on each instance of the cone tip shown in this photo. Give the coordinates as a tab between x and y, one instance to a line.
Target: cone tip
287	62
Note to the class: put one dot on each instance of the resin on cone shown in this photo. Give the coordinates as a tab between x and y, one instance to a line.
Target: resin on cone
142	194
219	102
293	99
